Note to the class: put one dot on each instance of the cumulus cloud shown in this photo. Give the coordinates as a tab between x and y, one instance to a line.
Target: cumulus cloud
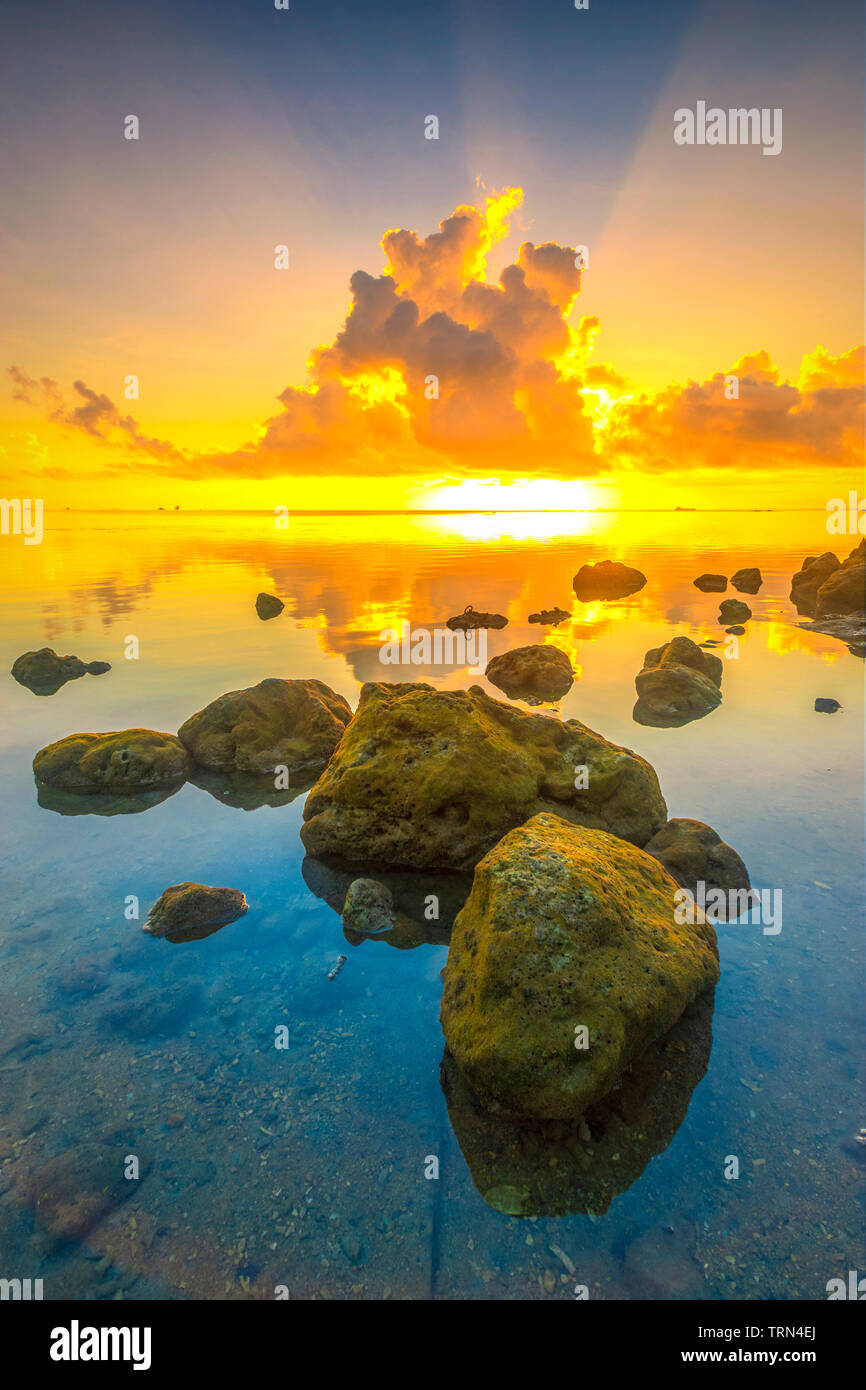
436	369
748	417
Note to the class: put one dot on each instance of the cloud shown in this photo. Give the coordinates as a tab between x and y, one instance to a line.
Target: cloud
97	415
437	370
761	421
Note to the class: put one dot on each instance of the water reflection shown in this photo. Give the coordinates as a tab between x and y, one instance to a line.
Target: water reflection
554	1168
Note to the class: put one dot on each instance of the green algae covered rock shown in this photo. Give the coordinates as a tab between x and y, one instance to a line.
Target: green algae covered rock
123	761
188	911
429	779
559	1167
534	674
566	930
44	672
679	682
295	724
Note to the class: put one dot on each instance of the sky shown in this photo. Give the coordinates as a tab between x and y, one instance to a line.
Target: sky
433	341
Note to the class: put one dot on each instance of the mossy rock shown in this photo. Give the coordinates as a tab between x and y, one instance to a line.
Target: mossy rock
534	674
609	579
189	911
123	761
679	682
561	1167
44	672
566	929
430	779
295	724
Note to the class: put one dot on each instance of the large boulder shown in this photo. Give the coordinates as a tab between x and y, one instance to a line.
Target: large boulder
607	579
557	1167
692	853
295	724
534	673
565	930
431	779
124	761
679	682
808	580
843	593
44	672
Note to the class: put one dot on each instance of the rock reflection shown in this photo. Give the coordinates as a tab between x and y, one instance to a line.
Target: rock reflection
559	1168
72	803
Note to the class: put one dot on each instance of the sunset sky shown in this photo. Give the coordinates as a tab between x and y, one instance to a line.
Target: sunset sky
309	387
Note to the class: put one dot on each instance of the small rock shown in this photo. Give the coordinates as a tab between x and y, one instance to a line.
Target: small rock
369	906
733	610
470	619
826	706
747	581
609	579
549	616
187	909
711	583
268	606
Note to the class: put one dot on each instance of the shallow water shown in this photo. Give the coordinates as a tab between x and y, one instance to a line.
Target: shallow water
305	1167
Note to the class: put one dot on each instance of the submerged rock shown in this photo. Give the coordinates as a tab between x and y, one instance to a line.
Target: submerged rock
747	581
808	580
469	619
692	852
429	779
826	706
551	1168
268	606
44	672
72	1192
189	910
711	583
532	673
425	904
369	907
550	617
566	929
736	630
607	579
295	724
679	682
129	759
733	610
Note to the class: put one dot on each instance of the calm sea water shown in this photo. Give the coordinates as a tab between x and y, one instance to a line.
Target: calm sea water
305	1167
